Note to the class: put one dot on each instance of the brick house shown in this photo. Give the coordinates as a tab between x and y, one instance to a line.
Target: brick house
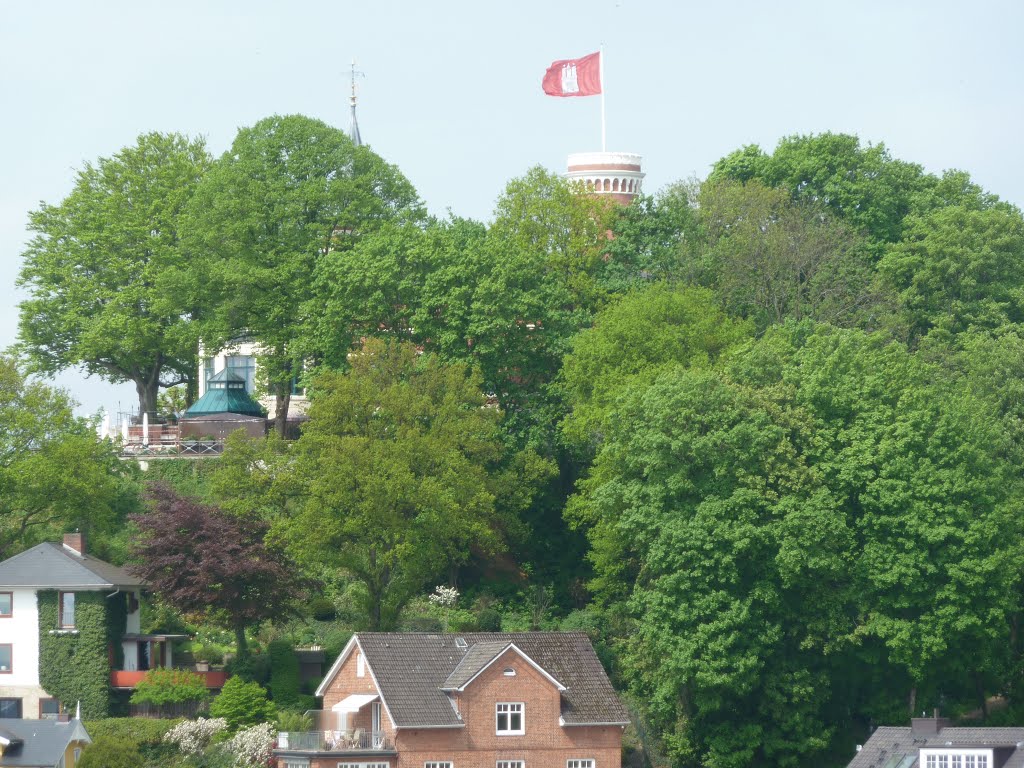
478	700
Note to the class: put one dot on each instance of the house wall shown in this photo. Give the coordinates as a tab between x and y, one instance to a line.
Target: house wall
133	625
347	682
21	630
545	744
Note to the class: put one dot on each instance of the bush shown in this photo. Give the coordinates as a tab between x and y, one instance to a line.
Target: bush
285	673
253	746
110	752
141	731
323	609
170	686
489	620
192	737
242	704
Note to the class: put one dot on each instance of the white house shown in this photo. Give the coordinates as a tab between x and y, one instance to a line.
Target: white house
68	570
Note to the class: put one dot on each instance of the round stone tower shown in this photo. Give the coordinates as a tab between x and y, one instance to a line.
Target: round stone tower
615	174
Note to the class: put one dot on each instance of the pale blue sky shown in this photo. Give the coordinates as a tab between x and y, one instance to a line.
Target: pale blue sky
452	89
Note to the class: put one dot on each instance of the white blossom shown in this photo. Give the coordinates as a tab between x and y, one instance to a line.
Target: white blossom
252	747
192	737
444	596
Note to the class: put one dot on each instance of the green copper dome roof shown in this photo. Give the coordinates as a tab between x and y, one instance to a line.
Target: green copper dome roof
225	393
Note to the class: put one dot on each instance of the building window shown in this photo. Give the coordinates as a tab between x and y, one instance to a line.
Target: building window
10	708
360	665
6	662
956	758
49	709
244	366
6	604
208	371
509	672
292	762
363	765
510	764
585	763
66	602
509	720
436	764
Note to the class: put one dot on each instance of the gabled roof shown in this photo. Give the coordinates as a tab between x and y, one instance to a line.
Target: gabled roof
412	670
54	566
892	746
479	657
42	741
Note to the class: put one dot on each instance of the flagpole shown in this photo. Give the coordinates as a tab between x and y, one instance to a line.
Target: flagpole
604	147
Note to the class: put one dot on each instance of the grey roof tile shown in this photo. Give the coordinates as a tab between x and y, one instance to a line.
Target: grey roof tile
887	742
411	669
477	656
54	566
43	741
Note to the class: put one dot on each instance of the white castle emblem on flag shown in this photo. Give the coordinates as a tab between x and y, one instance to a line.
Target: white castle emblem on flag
570	83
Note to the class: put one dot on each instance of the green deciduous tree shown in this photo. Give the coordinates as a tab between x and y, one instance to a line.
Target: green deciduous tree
242	704
405	475
959	266
290	191
633	340
824	516
55	475
773	259
111	287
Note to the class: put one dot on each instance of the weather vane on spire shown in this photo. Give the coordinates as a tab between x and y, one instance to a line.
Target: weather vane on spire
353	130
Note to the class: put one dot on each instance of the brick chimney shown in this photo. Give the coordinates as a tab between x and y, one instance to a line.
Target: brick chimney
75	542
924	727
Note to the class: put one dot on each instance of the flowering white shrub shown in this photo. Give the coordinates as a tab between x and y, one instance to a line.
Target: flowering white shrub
445	597
192	737
252	746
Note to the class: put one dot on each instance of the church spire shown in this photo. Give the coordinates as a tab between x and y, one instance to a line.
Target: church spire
353	129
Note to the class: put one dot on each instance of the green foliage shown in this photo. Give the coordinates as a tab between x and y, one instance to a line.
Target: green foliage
826	508
290	190
404	475
186	476
74	666
139	731
285	673
635	339
242	704
111	288
110	752
170	686
55	475
294	721
489	620
323	609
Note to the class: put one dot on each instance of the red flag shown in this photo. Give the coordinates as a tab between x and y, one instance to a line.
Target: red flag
574	77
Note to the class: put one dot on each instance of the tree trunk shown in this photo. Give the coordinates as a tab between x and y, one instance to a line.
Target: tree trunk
913	700
241	644
979	691
147	391
281	403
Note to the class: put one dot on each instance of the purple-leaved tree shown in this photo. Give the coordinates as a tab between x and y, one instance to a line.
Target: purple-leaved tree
203	560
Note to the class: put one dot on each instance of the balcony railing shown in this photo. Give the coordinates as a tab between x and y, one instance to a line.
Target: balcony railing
357	740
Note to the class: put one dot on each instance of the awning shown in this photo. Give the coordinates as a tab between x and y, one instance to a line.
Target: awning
354	702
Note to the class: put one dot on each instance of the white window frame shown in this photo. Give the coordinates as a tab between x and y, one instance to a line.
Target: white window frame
437	764
510	764
580	762
511	708
363	765
295	762
955	757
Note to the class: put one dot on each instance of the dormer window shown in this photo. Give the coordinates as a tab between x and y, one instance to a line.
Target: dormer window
952	757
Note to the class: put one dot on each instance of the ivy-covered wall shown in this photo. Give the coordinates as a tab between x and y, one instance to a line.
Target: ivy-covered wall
187	476
75	667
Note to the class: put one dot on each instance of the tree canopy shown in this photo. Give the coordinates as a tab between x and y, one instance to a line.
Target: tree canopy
289	192
111	286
